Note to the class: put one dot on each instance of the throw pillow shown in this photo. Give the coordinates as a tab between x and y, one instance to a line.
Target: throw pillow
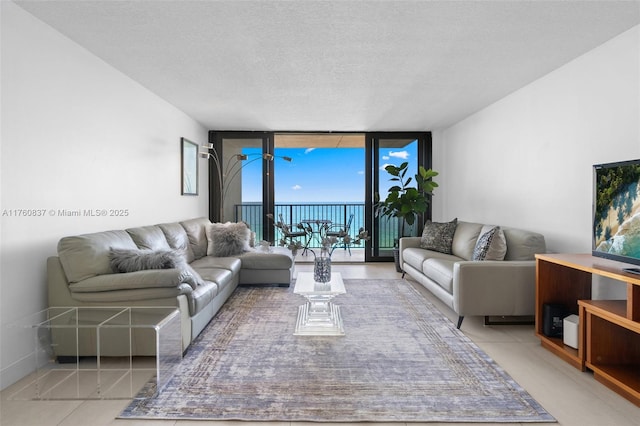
438	236
197	278
123	260
127	260
227	239
491	244
252	235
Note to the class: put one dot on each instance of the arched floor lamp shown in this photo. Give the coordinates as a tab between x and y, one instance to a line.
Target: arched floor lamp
231	170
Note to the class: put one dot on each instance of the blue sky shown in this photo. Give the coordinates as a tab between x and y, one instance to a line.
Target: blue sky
319	174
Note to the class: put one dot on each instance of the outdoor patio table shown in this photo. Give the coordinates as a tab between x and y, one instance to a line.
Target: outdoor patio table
317	228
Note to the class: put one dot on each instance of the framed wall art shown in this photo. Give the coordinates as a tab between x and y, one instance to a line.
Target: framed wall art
189	167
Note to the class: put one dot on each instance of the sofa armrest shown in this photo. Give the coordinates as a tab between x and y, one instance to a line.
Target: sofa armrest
494	287
408	242
154	278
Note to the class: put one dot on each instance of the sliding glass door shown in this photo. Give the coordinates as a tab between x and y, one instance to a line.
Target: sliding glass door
242	185
384	149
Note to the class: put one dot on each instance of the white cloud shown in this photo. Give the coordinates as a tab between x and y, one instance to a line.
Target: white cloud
399	154
308	150
360	172
385	157
296	187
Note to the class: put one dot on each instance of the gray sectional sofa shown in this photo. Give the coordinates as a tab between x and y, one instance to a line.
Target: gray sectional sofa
501	287
82	275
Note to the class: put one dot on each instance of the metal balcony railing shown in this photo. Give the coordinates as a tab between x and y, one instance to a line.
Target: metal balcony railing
337	213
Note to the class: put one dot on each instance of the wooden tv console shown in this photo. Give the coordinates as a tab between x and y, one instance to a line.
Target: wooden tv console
609	330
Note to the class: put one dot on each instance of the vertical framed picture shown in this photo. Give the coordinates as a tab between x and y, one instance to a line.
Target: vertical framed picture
189	167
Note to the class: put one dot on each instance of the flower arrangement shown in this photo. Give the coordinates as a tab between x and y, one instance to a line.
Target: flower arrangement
330	243
288	236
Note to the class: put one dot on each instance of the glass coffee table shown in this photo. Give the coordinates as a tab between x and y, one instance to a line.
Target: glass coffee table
318	316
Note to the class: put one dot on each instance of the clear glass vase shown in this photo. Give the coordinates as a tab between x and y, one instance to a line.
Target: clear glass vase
322	267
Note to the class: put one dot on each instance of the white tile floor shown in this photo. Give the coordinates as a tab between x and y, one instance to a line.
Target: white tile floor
574	398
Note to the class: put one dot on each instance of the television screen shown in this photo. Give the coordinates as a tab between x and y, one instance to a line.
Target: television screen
616	211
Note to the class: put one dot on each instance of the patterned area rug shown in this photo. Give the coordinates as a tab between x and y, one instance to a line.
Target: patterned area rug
401	360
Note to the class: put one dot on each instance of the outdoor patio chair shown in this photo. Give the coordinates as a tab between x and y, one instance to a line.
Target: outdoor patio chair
289	234
339	232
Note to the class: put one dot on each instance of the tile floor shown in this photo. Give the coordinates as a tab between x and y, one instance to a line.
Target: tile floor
574	398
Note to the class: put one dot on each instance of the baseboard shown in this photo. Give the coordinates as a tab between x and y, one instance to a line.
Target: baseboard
17	371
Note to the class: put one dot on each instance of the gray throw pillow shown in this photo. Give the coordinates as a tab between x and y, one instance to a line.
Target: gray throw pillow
128	260
438	236
228	239
197	279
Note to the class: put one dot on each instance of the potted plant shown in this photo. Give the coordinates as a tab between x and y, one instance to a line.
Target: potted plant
406	202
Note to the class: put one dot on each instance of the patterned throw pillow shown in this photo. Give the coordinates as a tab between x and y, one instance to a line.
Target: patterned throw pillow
438	236
491	244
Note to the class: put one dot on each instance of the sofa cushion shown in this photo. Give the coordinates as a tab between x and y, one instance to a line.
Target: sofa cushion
195	229
465	238
149	237
85	256
177	238
438	236
440	271
276	258
491	244
232	264
222	277
227	239
523	245
416	257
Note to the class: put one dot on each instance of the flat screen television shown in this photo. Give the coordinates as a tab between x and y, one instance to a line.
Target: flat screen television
616	211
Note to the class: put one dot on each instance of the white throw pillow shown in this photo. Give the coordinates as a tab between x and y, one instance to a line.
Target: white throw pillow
491	244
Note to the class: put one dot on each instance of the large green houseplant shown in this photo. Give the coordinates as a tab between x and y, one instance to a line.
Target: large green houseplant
406	201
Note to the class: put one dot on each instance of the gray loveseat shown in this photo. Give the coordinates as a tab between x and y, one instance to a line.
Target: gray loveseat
477	287
82	275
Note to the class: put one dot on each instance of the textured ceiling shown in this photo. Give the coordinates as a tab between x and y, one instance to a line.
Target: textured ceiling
335	65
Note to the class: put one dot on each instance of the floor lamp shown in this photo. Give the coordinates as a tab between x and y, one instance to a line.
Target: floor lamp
233	167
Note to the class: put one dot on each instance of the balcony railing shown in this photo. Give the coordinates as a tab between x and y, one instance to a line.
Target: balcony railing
337	213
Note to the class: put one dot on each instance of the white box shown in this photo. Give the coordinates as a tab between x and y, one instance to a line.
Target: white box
570	331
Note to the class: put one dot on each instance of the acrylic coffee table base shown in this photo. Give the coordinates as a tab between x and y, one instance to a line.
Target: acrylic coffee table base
314	320
318	316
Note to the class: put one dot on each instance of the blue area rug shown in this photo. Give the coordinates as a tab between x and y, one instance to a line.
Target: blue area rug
401	361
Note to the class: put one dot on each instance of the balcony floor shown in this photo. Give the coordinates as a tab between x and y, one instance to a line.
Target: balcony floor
339	255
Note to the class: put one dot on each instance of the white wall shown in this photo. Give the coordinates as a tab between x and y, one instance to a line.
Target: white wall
526	161
76	134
